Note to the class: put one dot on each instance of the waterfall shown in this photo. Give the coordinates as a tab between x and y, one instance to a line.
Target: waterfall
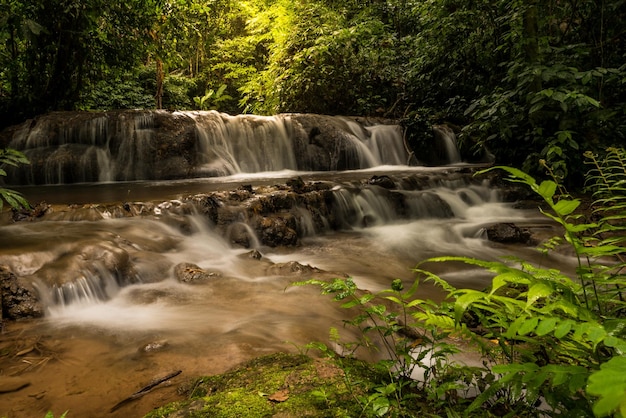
91	147
445	143
372	205
243	144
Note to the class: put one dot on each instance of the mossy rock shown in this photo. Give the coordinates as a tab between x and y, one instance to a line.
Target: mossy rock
279	385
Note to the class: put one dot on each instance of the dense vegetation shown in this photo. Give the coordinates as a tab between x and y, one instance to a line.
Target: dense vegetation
528	79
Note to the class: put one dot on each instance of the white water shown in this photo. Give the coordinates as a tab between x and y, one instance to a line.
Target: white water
144	145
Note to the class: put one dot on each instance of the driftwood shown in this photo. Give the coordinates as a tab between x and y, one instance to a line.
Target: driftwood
145	389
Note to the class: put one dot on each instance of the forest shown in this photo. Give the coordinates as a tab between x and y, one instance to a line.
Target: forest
531	81
541	85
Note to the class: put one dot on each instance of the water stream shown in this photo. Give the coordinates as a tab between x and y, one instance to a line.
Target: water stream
108	280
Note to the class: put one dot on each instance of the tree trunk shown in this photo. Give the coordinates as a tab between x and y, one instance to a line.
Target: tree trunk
159	84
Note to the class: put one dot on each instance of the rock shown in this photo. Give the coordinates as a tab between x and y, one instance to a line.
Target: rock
508	233
278	231
296	184
292	267
191	273
19	298
37	211
241	234
254	254
383	181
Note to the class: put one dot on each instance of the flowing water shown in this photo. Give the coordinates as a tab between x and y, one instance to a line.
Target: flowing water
116	316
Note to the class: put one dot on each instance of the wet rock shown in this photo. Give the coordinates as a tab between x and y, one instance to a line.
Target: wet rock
254	254
192	273
292	267
19	298
37	211
276	201
240	194
278	231
208	206
297	184
241	234
95	265
508	233
382	181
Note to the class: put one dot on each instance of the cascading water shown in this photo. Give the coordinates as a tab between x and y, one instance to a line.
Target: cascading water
248	144
205	264
157	145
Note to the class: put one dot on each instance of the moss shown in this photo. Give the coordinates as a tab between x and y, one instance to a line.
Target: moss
309	388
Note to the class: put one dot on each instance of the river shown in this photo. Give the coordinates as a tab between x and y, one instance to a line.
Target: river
117	315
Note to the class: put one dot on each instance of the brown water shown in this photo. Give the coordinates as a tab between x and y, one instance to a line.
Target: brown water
92	351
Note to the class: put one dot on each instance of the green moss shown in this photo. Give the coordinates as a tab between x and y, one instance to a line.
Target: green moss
311	388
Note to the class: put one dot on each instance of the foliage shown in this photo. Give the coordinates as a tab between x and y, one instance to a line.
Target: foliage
527	79
212	99
49	414
412	336
559	89
54	48
545	336
13	158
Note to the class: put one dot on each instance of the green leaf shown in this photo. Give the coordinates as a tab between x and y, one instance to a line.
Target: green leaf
547	189
463	301
528	326
565	207
609	383
537	291
546	326
563	329
380	405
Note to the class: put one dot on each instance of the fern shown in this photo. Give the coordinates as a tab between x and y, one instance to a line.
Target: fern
15	199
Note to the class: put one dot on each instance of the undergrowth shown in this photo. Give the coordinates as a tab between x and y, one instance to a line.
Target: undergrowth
551	343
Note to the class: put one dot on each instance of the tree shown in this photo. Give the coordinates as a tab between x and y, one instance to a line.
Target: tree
56	46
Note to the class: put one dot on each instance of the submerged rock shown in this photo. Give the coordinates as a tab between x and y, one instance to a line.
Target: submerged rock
292	267
192	273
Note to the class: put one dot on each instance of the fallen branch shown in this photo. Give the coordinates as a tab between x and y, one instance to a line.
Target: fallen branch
145	389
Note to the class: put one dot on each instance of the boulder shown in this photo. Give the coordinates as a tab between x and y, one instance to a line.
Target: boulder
508	233
278	231
192	273
19	298
382	181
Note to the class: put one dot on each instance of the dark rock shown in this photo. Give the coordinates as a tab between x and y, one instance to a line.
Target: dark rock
296	184
508	233
240	234
191	273
382	181
277	231
37	211
240	194
208	206
19	298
